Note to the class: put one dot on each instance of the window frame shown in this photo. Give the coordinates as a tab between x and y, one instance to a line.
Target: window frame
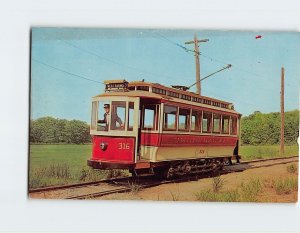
124	121
233	126
176	118
213	123
155	117
187	121
128	116
199	121
222	124
209	126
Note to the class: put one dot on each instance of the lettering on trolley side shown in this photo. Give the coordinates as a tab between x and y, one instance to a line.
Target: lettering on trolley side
123	146
200	152
191	140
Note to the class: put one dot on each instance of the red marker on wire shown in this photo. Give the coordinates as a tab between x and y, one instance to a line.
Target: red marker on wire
258	37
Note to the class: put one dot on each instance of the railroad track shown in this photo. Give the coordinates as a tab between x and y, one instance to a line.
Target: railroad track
127	184
258	163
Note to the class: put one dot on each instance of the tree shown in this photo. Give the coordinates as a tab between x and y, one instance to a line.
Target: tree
77	132
51	130
264	129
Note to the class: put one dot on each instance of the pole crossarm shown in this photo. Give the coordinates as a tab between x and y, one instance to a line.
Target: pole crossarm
199	41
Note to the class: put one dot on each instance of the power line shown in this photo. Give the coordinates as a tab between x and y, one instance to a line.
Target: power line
177	44
206	56
114	62
66	72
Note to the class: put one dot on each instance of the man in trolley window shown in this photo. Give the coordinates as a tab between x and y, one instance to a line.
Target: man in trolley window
115	118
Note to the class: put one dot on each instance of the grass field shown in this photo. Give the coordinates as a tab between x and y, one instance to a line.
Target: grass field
264	152
62	164
67	164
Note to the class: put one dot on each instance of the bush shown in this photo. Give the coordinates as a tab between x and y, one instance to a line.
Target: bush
249	191
286	186
292	168
217	183
209	195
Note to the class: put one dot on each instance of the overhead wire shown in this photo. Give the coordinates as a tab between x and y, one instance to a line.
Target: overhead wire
66	72
221	62
114	62
212	59
177	44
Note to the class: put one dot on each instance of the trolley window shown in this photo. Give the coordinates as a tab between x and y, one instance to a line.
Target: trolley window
233	125
196	120
225	124
184	119
150	113
216	124
118	112
102	109
206	122
130	116
170	113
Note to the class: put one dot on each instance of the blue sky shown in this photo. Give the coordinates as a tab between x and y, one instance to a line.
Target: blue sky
68	66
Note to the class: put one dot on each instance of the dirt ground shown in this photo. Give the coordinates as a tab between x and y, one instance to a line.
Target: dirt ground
187	191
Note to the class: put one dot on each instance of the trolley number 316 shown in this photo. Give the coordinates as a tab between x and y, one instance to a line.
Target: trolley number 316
123	146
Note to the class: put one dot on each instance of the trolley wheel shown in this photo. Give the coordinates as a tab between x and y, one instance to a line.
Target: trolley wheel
227	162
161	173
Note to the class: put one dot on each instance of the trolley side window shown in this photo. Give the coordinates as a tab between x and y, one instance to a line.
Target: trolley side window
196	120
225	124
233	125
150	113
130	116
184	119
170	117
217	123
206	122
118	112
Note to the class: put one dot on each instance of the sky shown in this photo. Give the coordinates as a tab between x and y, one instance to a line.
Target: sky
68	66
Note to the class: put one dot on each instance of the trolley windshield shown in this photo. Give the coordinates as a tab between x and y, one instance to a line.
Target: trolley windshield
113	115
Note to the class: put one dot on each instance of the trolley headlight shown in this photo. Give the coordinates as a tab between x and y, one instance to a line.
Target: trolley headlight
103	146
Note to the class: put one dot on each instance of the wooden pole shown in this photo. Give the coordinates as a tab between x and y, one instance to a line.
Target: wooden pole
282	112
197	60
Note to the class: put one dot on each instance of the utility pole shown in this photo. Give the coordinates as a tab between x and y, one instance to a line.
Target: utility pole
197	60
282	112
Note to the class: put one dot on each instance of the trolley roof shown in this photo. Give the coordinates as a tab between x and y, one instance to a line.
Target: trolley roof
158	91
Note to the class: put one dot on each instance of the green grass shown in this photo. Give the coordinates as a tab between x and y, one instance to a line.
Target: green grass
264	152
62	164
66	164
73	155
286	186
246	192
250	191
211	196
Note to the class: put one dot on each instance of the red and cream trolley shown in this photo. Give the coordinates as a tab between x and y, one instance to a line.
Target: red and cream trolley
164	130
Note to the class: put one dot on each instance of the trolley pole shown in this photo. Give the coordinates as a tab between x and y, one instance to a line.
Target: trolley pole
282	112
197	60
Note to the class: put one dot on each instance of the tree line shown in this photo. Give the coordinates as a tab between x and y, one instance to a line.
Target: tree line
264	129
52	130
256	129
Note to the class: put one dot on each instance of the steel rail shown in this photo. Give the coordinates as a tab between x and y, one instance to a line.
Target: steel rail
79	185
